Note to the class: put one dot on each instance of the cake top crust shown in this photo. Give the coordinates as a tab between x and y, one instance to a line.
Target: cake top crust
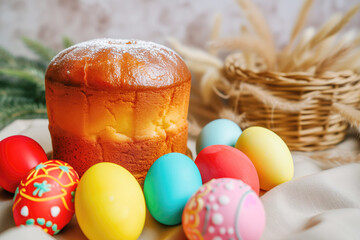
114	63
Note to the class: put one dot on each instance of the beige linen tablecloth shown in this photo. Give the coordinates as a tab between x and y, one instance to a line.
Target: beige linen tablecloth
321	202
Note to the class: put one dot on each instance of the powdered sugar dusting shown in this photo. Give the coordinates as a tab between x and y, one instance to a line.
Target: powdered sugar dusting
137	48
101	63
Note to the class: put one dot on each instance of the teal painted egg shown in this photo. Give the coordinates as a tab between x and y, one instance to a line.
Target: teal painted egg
218	132
169	183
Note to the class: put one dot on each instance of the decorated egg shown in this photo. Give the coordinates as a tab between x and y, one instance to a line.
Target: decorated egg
269	154
222	161
46	196
224	208
219	131
109	203
18	154
169	184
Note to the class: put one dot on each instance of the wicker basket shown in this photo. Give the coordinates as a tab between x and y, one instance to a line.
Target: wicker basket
316	126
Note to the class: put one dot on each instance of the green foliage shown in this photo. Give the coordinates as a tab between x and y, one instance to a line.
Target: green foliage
22	84
45	53
67	42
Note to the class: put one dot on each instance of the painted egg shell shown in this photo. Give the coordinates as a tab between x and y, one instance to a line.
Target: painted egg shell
219	131
222	161
46	196
269	154
169	184
18	155
109	203
224	208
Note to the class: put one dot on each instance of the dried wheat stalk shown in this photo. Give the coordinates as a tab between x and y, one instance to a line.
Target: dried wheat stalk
329	160
299	24
216	32
195	54
246	42
329	30
311	52
353	116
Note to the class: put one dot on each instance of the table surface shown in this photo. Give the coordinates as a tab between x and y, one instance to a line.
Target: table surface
321	202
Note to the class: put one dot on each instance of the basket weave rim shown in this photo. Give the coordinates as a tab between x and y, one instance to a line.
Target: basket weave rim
298	78
233	69
305	75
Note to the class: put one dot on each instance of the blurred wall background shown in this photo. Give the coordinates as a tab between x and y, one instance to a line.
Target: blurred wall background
188	20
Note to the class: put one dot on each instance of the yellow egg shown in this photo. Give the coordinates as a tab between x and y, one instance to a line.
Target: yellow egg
269	154
109	203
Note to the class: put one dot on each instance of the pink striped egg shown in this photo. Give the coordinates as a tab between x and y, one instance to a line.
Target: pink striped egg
224	208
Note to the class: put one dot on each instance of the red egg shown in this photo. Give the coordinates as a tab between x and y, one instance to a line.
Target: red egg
18	154
46	196
222	161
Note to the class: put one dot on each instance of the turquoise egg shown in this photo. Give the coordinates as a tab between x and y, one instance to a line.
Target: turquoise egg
218	132
169	184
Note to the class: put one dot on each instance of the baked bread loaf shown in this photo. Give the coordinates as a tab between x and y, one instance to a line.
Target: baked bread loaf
121	101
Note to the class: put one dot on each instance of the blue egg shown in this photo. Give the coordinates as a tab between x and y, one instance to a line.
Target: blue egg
169	184
218	132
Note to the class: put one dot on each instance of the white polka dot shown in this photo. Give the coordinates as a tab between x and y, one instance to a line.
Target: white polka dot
55	211
191	217
229	186
24	211
211	229
217	238
222	230
215	207
224	200
230	230
211	198
217	219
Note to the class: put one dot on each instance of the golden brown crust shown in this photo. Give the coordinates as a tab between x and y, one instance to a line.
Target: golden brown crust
111	63
120	114
137	156
117	102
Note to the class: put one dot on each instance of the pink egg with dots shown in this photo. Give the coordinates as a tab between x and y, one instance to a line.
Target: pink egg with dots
224	208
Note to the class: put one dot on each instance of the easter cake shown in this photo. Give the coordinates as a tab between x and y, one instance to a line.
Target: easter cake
120	101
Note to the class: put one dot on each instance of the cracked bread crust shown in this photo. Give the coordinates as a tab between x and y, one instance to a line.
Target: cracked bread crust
130	119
